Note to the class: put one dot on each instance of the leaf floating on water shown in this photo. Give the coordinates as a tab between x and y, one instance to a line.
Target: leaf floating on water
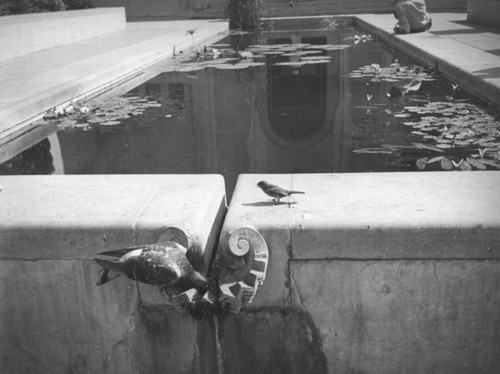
491	163
446	164
465	166
110	123
292	64
402	115
315	58
476	163
443	145
311	62
422	163
425	146
435	159
372	151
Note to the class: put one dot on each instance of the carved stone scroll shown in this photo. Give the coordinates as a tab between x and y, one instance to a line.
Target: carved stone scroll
243	265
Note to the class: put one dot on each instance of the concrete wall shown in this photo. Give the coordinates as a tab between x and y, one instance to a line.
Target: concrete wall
35	32
53	316
484	11
376	273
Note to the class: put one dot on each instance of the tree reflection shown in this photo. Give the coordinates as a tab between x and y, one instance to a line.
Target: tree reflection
34	160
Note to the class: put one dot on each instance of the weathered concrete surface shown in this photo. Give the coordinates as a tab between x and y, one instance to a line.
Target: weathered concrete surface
466	53
398	271
28	33
169	8
34	83
53	316
484	11
403	316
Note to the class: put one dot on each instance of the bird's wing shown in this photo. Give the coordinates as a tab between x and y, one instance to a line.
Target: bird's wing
277	190
118	253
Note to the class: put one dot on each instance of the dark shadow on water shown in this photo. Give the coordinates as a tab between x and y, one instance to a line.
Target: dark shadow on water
269	203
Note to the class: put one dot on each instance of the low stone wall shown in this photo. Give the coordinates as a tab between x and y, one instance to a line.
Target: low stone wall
28	33
53	316
371	273
484	11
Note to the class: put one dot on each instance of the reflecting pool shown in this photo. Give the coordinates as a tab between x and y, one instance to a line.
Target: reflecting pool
308	101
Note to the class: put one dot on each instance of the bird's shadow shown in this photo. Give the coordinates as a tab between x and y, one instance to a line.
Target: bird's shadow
268	203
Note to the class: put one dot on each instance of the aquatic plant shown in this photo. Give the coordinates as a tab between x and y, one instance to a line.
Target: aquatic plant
244	14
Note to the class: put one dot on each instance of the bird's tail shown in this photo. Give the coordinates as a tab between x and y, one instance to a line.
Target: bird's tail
291	192
110	260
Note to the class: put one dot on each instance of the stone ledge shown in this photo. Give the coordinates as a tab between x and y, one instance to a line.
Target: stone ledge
73	217
39	31
369	216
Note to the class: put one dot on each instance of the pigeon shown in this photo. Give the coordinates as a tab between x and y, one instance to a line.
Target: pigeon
276	192
163	264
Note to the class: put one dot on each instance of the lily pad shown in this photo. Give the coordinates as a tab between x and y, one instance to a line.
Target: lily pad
422	163
446	163
476	163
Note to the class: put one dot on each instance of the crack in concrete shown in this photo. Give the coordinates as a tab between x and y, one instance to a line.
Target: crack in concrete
22	259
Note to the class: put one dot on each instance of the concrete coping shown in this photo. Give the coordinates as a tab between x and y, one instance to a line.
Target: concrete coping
431	215
74	217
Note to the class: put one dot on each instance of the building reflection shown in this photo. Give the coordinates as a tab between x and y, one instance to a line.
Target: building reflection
268	119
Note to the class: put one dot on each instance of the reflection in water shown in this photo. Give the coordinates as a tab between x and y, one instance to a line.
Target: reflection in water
265	119
35	160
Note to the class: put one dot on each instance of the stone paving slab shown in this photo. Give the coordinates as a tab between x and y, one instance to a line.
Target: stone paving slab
34	83
465	52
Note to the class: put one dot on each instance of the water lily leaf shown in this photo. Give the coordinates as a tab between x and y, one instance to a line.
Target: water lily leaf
476	163
425	146
96	120
465	166
309	62
435	159
372	151
443	145
422	163
491	163
110	123
446	164
402	115
315	58
295	64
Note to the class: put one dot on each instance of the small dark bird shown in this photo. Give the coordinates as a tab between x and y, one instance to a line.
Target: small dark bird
274	191
162	264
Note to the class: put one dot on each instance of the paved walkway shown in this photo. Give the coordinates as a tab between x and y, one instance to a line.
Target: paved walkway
467	53
33	83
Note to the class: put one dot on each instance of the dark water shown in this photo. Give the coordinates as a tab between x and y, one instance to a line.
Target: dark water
272	118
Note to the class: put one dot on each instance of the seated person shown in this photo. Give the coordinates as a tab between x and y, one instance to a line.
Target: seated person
412	16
